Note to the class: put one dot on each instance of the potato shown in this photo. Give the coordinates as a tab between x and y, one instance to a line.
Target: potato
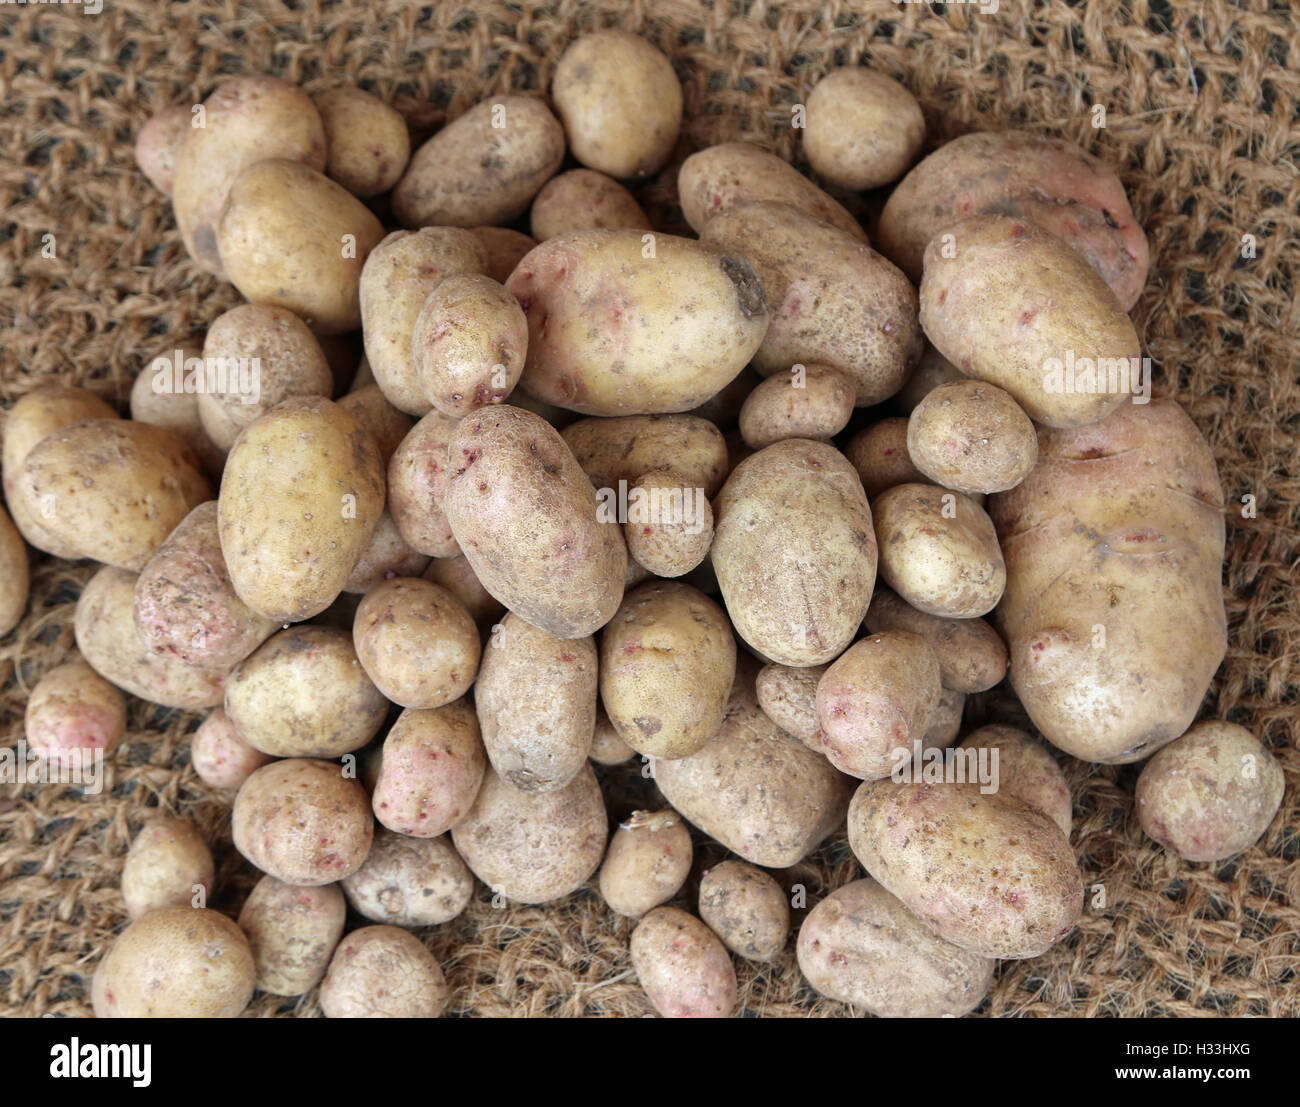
1113	613
292	932
73	708
972	437
457	576
1015	306
627	448
15	575
158	145
484	167
584	200
607	748
219	754
302	821
526	516
536	701
382	972
412	882
648	861
625	323
988	873
158	397
938	550
107	638
300	499
879	454
972	657
387	556
862	130
1211	793
931	371
534	847
815	401
834	301
667	664
682	966
788	697
367	141
430	771
1047	181
861	945
145	480
1026	771
417	642
176	963
246	120
468	344
669	527
397	279
169	865
505	249
794	551
945	721
417	486
717	179
387	426
746	908
293	238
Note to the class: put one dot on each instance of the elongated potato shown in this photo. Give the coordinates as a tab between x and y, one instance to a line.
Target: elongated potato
409	881
73	709
1026	770
292	931
648	861
682	966
169	865
628	447
367	141
417	486
746	908
15	575
972	656
584	200
625	323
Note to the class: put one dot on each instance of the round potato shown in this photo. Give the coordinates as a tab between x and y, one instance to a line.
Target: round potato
648	861
220	755
1026	770
972	656
879	454
505	249
815	401
292	931
931	371
169	865
607	748
387	556
417	486
15	575
629	447
863	129
584	200
682	966
383	972
158	146
788	697
746	908
366	139
387	426
972	437
71	708
457	576
669	527
408	881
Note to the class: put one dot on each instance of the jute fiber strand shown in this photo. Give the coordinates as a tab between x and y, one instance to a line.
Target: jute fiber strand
1201	122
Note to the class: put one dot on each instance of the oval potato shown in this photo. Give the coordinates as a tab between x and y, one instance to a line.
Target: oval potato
682	966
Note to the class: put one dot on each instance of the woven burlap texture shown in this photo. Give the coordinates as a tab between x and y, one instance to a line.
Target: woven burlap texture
1201	123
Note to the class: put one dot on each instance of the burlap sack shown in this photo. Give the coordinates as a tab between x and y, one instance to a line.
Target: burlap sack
1200	119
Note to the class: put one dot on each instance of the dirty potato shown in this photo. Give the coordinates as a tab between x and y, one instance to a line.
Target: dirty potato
292	931
648	861
584	200
746	908
683	967
972	437
413	882
813	401
169	865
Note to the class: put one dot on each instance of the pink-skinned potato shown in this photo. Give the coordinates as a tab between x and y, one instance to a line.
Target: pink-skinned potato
683	967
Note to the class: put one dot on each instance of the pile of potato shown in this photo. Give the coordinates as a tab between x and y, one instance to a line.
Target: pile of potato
420	600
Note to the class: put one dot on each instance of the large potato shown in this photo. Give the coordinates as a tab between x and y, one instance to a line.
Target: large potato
629	447
682	966
292	932
584	200
972	437
73	709
15	575
406	881
648	861
383	972
794	551
301	496
1025	770
169	865
746	908
863	129
367	141
417	486
972	657
621	323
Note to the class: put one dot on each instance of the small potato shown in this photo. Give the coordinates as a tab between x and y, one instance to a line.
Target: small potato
723	408
875	700
73	708
484	167
15	575
938	550
788	697
746	908
417	486
862	946
169	865
879	454
669	526
387	426
220	755
620	101
417	642
383	972
158	145
607	748
387	556
684	969
367	141
945	720
584	200
972	656
667	664
933	370
413	882
468	344
534	847
292	931
1027	771
863	129
627	448
176	963
457	576
1211	793
293	238
536	701
648	861
430	770
815	401
505	249
986	872
972	437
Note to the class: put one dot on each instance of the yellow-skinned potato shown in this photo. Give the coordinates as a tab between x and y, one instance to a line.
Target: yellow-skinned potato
407	881
367	141
788	697
417	486
629	447
219	754
505	249
669	527
387	425
15	574
972	656
483	167
158	145
292	931
863	129
746	908
383	972
584	200
648	861
972	437
607	748
1026	770
387	556
169	865
293	238
682	966
814	403
879	454
301	497
626	323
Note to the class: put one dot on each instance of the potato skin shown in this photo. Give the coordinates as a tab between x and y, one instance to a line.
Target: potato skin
526	517
219	754
413	882
794	551
746	908
972	656
1145	568
818	407
648	861
1211	793
863	129
628	447
584	200
862	946
788	696
607	748
417	486
931	371
301	497
386	425
303	821
988	873
292	931
972	437
534	847
536	702
474	172
383	972
682	966
367	141
1026	771
167	860
158	145
879	455
73	707
676	531
505	249
612	331
178	962
388	555
15	575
